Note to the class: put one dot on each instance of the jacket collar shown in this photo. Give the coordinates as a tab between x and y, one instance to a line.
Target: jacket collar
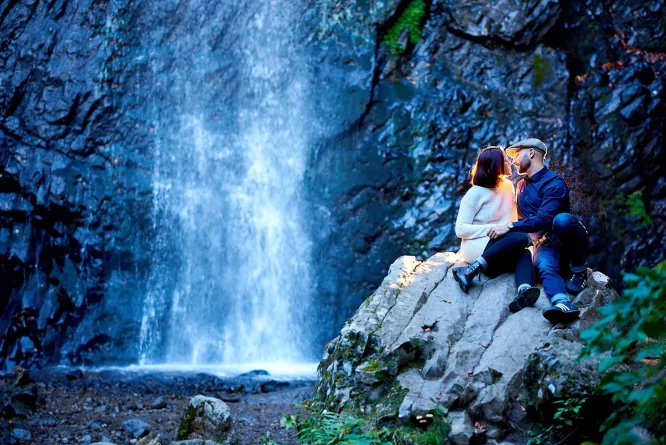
538	175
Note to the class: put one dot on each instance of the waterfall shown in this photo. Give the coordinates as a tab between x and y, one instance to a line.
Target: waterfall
230	279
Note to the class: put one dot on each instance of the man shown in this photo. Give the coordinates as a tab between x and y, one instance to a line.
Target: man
559	239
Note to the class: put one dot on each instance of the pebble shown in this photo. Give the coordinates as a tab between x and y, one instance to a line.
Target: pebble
158	403
136	427
74	375
47	422
21	434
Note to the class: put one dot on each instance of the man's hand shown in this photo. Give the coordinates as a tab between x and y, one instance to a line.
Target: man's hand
498	231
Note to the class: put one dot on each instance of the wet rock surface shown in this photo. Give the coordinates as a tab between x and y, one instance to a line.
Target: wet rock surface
116	407
419	344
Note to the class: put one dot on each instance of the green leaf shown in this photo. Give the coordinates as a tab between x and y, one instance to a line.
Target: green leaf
607	363
655	328
654	350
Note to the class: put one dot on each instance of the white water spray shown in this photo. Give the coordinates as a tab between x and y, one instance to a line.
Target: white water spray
230	211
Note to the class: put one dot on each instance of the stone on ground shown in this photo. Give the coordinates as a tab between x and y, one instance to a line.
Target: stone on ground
136	428
205	418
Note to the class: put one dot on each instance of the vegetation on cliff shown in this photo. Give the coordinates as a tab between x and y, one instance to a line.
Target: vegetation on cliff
322	427
412	20
633	331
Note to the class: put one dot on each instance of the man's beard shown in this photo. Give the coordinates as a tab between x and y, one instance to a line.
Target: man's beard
524	164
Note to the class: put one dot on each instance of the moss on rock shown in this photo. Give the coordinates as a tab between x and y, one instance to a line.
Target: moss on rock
185	427
411	19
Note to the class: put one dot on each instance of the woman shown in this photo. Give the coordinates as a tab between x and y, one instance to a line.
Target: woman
491	201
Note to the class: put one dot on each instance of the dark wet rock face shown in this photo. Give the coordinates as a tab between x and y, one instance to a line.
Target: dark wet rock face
395	132
73	192
585	77
512	22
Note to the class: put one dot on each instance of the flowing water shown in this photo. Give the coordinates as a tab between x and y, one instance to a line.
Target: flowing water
231	281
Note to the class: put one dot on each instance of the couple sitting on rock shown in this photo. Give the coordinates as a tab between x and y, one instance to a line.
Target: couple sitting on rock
496	241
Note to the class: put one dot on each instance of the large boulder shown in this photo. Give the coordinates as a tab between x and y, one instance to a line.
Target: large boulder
205	418
418	344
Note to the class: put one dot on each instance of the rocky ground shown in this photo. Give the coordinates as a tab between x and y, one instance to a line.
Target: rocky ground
74	407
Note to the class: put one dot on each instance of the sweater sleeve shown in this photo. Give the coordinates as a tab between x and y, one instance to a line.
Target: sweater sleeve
468	210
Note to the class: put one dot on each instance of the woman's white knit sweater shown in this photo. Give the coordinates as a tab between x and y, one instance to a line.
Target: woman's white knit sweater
480	209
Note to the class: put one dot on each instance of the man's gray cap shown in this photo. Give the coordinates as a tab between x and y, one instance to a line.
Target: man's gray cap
534	143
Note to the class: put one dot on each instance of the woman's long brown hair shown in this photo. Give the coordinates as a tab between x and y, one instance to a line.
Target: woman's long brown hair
488	167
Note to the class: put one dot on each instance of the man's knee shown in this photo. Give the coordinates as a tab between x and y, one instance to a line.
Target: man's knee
563	222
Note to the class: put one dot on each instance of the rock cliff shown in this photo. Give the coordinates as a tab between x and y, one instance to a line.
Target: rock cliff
402	93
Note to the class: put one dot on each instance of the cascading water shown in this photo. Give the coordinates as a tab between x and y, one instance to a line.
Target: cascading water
231	281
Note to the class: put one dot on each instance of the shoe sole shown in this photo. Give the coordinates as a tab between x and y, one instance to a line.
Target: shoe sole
460	282
559	316
527	299
573	292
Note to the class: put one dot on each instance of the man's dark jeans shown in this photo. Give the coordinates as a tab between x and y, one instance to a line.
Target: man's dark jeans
564	252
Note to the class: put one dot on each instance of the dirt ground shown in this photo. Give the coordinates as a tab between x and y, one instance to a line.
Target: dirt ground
85	407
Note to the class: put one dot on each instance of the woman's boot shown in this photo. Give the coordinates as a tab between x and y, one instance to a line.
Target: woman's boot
465	275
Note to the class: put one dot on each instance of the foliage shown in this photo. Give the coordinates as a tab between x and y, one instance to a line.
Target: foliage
266	440
329	428
564	423
411	19
634	206
638	318
435	434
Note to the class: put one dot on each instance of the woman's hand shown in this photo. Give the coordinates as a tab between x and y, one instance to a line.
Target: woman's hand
498	231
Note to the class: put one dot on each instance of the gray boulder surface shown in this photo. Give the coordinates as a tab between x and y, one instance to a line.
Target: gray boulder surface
419	344
205	418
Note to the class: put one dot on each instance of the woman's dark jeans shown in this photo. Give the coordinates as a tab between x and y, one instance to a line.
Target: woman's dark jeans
509	253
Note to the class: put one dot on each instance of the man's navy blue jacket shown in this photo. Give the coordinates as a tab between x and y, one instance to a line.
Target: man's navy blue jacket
540	199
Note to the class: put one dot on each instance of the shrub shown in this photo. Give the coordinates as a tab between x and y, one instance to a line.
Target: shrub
633	331
329	428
